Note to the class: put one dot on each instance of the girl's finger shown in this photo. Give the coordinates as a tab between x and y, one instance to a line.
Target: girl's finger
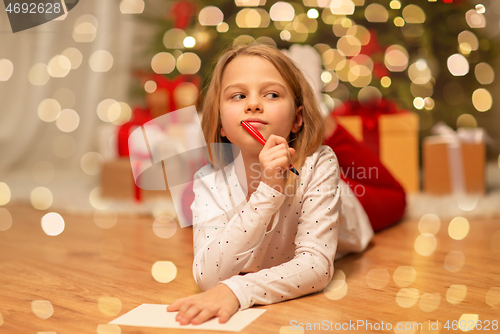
174	306
203	316
192	312
224	316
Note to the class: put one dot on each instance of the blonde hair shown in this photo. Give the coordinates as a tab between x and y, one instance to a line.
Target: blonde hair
305	141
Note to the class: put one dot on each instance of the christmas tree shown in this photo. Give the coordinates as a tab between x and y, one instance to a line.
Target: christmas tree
431	57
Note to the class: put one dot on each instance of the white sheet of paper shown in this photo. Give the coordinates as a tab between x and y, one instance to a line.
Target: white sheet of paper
156	315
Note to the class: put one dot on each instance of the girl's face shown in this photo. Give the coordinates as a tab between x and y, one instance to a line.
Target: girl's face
252	89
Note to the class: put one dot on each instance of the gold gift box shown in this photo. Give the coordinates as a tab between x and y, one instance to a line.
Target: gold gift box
117	182
438	178
398	144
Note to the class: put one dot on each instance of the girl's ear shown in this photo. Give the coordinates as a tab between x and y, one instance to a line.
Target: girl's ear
297	122
222	133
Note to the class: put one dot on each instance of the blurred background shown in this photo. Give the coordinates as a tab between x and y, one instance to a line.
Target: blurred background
415	80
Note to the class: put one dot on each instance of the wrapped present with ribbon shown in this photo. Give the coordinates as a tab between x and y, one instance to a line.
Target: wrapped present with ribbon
391	133
174	94
454	162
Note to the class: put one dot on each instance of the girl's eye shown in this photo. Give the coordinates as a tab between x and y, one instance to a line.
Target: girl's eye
238	96
273	95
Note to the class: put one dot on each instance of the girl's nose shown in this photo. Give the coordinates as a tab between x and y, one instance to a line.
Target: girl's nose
253	105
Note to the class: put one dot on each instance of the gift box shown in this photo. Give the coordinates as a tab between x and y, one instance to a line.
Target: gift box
454	162
117	182
390	133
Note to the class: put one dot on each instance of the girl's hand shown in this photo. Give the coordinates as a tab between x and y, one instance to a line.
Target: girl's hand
274	160
218	301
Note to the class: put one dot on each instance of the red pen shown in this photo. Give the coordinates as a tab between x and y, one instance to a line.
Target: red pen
257	135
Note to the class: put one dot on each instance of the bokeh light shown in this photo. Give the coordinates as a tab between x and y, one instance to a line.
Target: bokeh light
475	19
105	219
404	276
482	99
485	74
85	29
313	13
385	82
108	329
419	72
376	12
396	58
52	224
413	14
103	107
174	38
109	306
418	103
150	86
119	113
337	288
369	95
466	121
395	4
5	193
164	271
59	66
456	293
42	308
425	244
492	297
458	65
399	21
342	7
68	120
91	163
429	223
223	27
378	279
6	69
407	297
210	16
132	6
39	74
97	201
189	42
101	61
41	198
458	228
49	110
454	261
188	63
282	11
5	220
74	56
429	302
163	63
164	227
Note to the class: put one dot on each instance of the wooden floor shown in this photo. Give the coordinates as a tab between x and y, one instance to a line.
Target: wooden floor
89	276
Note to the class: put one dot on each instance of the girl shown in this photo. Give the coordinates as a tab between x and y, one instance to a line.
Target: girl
281	242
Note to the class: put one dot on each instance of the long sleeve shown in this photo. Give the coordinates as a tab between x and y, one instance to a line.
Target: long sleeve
224	237
311	268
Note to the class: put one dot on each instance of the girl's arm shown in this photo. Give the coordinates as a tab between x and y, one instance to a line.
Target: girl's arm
223	246
311	269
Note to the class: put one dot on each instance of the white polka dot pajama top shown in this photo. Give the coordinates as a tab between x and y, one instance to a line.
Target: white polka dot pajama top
323	221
